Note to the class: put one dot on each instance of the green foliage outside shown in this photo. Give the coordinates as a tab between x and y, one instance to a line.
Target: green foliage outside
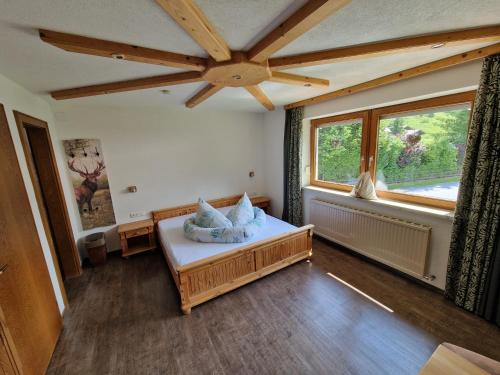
412	151
339	149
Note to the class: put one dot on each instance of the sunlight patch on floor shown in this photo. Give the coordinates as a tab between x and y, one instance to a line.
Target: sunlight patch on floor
360	292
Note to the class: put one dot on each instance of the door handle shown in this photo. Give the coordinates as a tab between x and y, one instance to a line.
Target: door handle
3	268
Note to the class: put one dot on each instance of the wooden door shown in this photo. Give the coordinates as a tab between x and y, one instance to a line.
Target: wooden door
9	360
27	298
41	161
7	365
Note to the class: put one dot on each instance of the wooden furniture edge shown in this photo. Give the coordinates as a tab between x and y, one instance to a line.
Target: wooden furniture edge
181	274
444	360
258	201
213	293
140	228
171	266
135	225
13	361
247	248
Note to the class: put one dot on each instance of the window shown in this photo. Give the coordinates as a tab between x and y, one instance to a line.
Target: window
421	153
340	149
415	150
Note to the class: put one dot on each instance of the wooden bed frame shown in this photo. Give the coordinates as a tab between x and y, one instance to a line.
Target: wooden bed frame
208	278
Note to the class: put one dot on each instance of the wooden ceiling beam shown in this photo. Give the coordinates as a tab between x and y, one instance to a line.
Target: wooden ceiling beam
129	85
402	75
121	51
258	94
481	34
190	17
203	95
304	19
295	79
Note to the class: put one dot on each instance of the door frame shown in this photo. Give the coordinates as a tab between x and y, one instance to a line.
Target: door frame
5	335
7	341
30	318
73	267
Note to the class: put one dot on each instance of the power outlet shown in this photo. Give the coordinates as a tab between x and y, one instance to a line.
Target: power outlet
137	214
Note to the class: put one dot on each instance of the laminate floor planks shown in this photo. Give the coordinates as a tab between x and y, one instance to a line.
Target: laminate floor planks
124	318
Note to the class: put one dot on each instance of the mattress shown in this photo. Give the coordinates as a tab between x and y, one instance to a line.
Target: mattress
182	251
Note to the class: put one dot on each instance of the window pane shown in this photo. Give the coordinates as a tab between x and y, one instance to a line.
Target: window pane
338	152
422	153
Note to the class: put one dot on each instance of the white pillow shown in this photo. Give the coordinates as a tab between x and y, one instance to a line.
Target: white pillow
209	217
242	213
364	187
226	235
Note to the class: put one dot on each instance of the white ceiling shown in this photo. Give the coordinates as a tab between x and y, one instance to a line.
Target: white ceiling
41	67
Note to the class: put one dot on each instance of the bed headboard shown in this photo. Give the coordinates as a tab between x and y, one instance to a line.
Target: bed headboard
258	201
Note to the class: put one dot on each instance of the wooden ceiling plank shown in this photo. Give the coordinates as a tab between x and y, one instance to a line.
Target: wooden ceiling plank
304	19
203	95
129	85
190	17
477	35
104	48
258	94
295	79
402	75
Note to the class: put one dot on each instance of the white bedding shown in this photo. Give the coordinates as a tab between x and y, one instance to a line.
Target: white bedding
182	251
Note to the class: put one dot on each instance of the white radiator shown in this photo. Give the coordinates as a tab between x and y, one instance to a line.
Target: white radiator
397	243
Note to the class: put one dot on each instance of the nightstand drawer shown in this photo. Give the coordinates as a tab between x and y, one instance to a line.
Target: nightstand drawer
136	232
137	237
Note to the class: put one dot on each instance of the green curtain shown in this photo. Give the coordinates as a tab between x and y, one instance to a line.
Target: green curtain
489	306
473	278
292	205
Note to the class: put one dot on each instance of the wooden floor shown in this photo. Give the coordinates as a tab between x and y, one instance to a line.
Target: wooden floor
125	319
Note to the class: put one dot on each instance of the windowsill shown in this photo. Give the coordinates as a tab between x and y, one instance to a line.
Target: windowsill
435	212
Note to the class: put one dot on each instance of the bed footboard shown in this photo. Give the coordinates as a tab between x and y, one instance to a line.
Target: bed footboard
201	281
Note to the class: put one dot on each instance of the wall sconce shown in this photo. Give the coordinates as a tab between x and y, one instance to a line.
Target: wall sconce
132	189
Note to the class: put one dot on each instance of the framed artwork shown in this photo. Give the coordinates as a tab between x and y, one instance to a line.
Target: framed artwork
90	182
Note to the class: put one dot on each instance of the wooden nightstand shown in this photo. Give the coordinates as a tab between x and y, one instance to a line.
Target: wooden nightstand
137	237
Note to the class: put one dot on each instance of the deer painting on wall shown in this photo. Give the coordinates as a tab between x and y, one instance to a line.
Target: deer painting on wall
85	192
90	182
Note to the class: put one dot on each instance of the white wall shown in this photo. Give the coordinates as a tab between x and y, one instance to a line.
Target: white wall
457	79
274	127
460	78
14	97
172	156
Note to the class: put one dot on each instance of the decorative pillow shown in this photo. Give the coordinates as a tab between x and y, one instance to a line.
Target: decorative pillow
226	235
209	217
242	213
255	225
364	187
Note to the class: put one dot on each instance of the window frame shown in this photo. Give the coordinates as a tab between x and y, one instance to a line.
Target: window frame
369	143
316	124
